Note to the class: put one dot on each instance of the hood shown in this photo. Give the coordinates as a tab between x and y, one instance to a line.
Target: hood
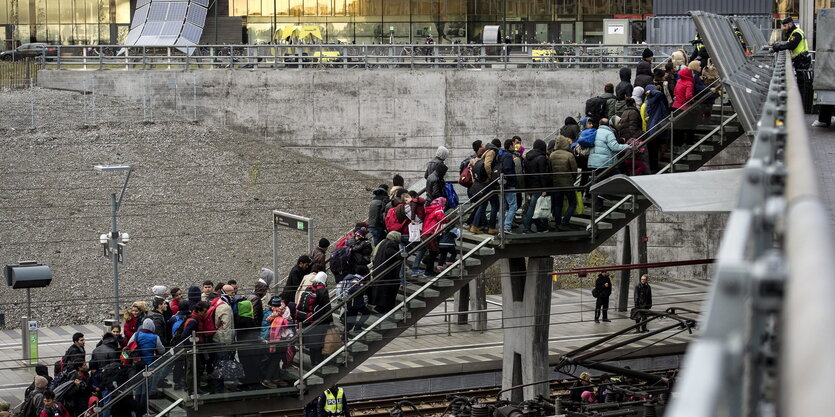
588	135
686	74
570	120
563	143
245	309
695	65
644	68
442	153
321	278
266	275
261	289
638	94
148	325
551	145
108	339
394	235
159	290
539	145
194	294
441	169
438	202
607	96
625	74
41	370
380	191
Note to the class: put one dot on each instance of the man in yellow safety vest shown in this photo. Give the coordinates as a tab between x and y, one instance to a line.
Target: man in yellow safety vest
796	43
332	403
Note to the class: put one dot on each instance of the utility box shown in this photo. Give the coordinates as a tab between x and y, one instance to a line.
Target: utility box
28	275
617	31
824	79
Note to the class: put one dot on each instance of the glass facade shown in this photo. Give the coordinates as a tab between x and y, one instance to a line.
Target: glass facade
66	22
346	21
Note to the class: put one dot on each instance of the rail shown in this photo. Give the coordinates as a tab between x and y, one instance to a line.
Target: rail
344	56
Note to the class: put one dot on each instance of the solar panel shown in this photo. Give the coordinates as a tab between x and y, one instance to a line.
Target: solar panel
152	29
171	29
177	11
196	15
158	11
167	22
192	32
140	16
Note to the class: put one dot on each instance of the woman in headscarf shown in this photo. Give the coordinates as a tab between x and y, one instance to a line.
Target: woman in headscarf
638	96
247	332
383	291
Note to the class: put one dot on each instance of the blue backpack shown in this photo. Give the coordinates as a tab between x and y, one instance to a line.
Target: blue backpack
451	196
179	319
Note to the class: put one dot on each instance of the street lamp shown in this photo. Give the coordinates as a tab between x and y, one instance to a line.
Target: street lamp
114	243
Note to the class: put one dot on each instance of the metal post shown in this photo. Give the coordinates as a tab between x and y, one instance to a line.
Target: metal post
301	363
310	236
501	209
29	302
147	375
275	248
32	100
593	209
114	254
24	338
194	369
94	100
194	95
145	98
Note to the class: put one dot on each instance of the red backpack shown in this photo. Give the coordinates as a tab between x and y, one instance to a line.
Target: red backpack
307	304
392	224
466	178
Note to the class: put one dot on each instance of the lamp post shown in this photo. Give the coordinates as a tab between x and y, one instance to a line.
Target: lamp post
114	242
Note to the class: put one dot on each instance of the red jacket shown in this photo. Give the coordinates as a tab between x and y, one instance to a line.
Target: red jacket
685	87
434	218
175	307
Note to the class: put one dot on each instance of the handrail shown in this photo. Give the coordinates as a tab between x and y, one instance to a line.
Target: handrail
398	307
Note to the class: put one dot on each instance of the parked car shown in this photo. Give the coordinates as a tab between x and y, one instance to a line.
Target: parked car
28	50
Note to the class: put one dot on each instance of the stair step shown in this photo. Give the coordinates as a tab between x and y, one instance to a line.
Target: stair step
484	250
314	380
681	167
616	215
582	221
373	336
428	293
329	370
414	303
694	156
445	281
358	347
705	148
472	261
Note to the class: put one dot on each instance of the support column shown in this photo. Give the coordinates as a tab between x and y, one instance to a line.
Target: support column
624	256
478	302
639	246
526	303
461	303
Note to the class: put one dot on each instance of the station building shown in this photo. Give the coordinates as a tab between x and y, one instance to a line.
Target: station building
78	22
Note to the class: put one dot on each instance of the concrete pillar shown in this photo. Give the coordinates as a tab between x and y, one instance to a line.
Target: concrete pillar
639	246
526	303
624	256
461	303
478	302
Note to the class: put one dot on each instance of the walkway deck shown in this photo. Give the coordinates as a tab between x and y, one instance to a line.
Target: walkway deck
465	351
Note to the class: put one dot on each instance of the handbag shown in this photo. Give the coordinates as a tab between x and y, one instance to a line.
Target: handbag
228	370
542	210
333	341
466	178
451	196
414	232
579	208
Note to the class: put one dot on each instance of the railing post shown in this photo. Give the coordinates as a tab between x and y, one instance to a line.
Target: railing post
301	361
194	370
501	210
593	208
672	153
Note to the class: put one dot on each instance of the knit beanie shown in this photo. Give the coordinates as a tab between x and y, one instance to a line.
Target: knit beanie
442	153
324	243
267	276
159	290
646	54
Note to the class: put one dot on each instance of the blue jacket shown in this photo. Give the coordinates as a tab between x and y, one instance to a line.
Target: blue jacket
508	167
587	138
606	146
147	346
657	110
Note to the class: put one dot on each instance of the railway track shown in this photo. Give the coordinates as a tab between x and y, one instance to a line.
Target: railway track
429	404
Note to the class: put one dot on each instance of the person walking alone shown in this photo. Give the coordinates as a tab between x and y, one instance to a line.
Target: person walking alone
643	301
603	289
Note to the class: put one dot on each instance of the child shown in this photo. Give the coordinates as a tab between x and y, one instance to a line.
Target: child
51	407
447	248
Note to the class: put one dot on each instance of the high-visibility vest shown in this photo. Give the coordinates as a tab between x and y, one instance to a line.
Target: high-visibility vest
333	404
802	46
699	46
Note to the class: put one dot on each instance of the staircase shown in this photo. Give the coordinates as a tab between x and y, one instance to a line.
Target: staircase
423	294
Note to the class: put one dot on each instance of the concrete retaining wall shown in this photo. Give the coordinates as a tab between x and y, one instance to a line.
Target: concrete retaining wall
378	122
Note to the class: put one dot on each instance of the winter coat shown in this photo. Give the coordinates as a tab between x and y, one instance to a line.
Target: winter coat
224	322
318	256
147	342
131	326
570	131
536	162
603	291
376	210
490	157
508	168
643	296
656	109
159	325
611	104
679	57
106	351
292	285
74	355
643	76
434	219
562	161
383	292
258	293
624	87
434	175
685	89
323	305
606	146
306	282
630	124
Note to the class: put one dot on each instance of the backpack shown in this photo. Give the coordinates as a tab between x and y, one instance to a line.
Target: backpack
594	292
110	375
466	178
340	262
348	286
58	367
709	73
518	168
27	408
307	304
479	171
177	334
451	196
178	322
596	108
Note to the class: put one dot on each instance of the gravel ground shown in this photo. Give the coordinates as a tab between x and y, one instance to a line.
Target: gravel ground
197	206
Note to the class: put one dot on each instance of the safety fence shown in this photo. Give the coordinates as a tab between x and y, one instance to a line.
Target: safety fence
346	56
